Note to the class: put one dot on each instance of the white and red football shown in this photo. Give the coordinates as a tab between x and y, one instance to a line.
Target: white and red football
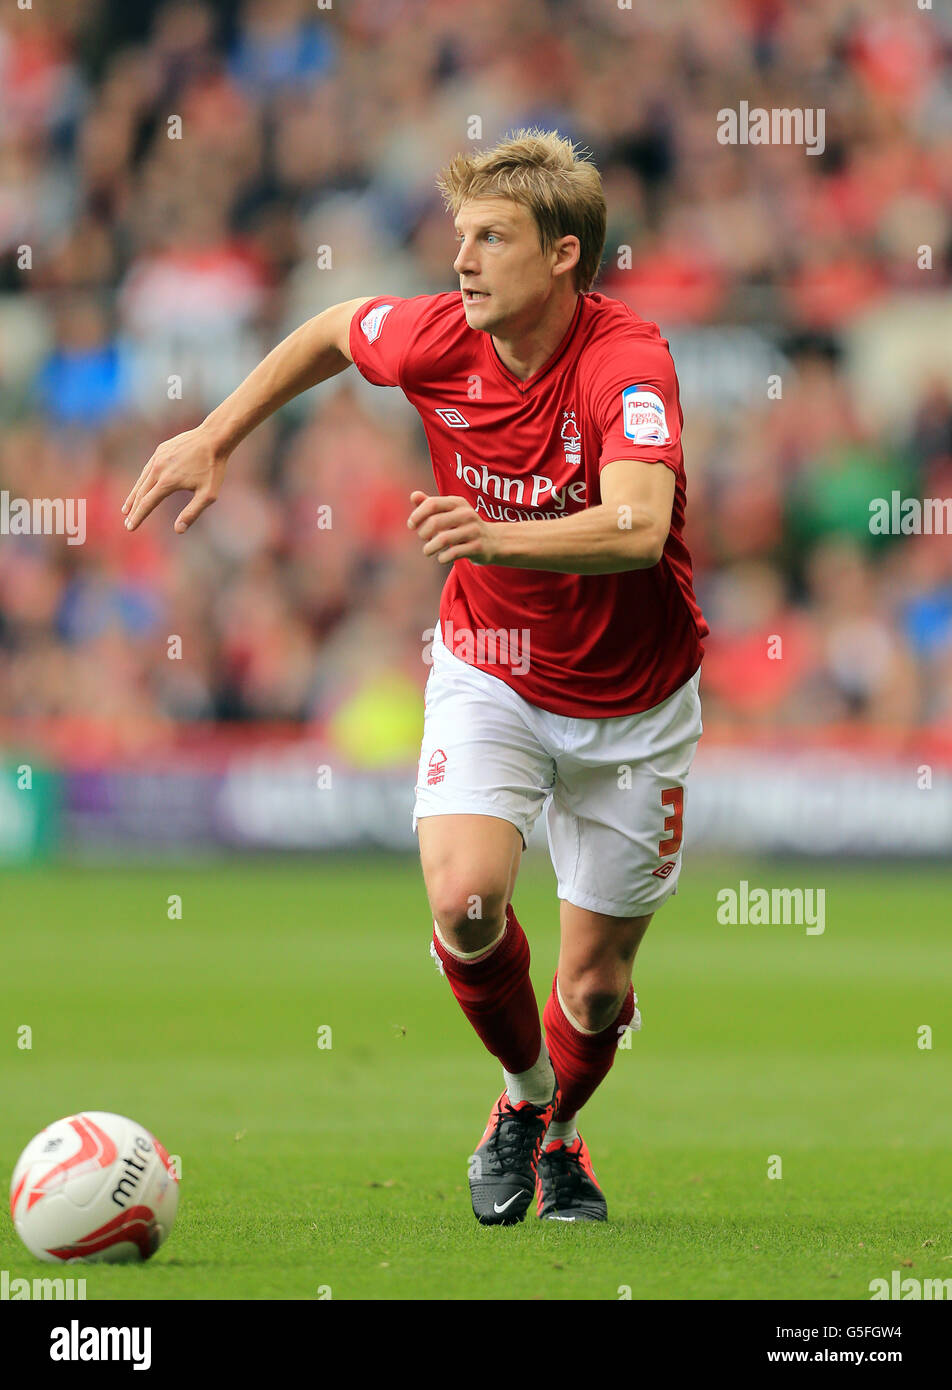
94	1186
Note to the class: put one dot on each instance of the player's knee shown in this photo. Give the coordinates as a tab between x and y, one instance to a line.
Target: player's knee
595	998
467	919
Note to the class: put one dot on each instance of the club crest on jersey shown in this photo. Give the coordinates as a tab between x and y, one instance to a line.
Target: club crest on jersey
571	439
643	415
372	323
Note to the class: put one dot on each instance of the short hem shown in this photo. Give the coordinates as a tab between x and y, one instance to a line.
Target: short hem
612	909
477	808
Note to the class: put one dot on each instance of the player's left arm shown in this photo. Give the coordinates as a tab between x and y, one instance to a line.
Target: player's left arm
625	531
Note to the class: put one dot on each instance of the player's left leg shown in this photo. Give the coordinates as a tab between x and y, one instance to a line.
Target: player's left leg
591	1007
614	822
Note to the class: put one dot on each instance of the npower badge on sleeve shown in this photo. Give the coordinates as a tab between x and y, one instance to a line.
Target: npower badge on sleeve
643	414
372	323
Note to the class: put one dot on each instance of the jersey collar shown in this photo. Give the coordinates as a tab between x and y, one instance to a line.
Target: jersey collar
548	364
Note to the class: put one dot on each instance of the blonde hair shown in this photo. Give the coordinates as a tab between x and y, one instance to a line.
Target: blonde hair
548	175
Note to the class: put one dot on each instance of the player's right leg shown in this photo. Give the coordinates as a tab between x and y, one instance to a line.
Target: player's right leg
470	864
482	782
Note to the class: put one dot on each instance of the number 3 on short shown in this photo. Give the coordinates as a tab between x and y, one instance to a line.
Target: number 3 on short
674	798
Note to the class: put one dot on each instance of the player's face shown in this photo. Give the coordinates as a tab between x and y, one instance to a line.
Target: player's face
504	276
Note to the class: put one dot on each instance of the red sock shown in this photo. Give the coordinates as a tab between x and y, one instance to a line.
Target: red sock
581	1060
497	997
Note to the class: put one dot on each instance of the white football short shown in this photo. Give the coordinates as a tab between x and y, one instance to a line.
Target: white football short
613	789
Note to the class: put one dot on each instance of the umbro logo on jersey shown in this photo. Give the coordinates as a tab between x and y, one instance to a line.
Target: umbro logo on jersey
453	418
663	870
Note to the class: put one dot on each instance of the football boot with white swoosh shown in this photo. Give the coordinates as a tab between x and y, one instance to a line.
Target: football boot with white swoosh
502	1171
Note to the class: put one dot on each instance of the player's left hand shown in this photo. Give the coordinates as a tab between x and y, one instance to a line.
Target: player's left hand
451	529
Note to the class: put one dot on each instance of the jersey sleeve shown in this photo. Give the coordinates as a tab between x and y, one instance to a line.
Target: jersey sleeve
381	333
636	405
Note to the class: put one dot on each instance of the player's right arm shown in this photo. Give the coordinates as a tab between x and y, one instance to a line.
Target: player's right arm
195	461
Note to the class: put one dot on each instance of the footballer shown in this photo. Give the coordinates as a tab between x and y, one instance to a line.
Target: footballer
566	662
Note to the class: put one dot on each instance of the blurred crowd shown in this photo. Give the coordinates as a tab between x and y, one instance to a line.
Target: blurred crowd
181	184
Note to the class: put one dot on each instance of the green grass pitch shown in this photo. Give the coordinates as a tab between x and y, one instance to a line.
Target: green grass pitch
309	1168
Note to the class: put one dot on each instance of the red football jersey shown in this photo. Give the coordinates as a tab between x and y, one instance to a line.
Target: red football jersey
587	645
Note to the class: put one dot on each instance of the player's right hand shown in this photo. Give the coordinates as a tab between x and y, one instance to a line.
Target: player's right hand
186	461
